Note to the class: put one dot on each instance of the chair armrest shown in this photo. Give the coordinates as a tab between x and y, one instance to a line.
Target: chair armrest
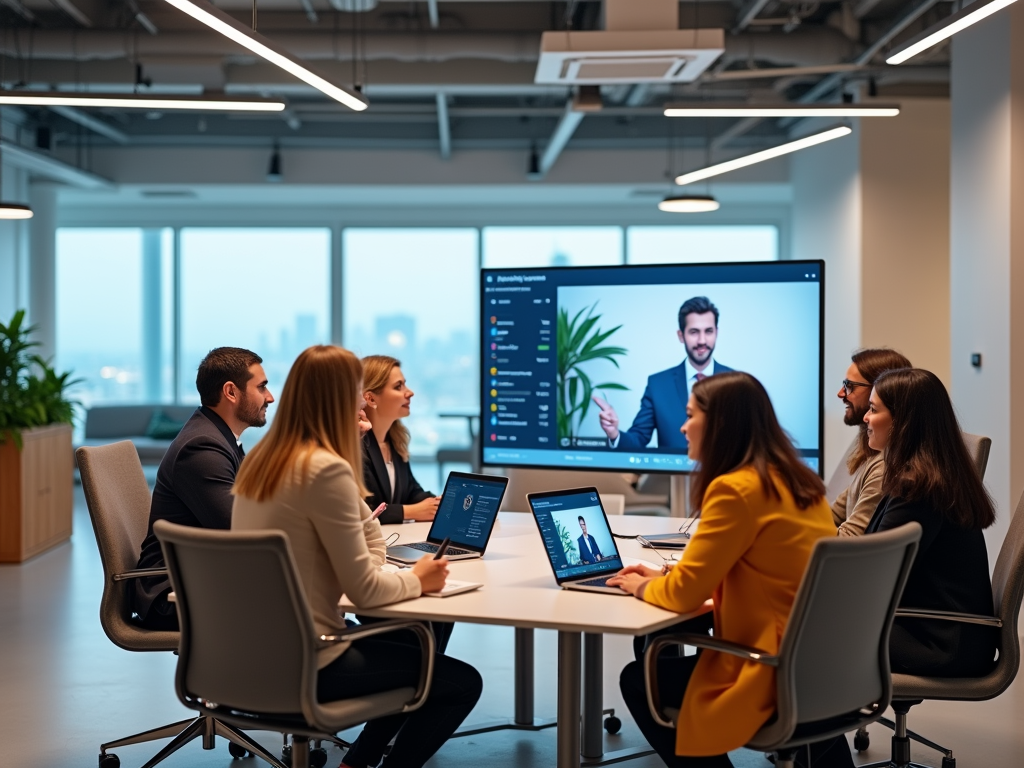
139	573
963	618
700	641
427	648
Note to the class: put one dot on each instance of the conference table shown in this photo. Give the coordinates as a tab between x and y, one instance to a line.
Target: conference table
519	591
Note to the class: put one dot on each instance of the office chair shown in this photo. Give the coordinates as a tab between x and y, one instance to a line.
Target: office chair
118	499
816	698
248	654
908	690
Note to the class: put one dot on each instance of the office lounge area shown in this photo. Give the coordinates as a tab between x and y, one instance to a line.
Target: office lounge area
158	235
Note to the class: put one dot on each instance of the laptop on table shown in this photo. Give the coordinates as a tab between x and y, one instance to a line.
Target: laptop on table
577	539
469	506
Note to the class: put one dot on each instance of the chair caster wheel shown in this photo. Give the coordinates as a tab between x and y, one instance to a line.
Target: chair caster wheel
612	724
237	751
948	762
113	761
318	757
861	740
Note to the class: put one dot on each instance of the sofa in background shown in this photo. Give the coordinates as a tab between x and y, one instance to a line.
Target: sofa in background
151	427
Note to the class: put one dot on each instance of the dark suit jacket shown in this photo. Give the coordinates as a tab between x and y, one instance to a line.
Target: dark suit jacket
375	478
193	487
581	543
950	573
662	408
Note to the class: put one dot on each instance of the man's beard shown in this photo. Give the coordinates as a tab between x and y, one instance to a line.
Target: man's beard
698	360
250	411
854	417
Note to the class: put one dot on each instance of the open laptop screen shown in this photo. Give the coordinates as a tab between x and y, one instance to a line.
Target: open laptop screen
468	509
575	532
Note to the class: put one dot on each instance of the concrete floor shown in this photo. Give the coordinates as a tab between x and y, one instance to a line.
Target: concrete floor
65	688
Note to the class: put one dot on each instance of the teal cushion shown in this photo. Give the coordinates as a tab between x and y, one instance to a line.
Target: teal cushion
163	427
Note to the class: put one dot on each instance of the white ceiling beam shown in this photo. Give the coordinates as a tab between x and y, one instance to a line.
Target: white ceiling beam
444	126
93	124
19	8
747	14
435	15
74	12
47	167
566	127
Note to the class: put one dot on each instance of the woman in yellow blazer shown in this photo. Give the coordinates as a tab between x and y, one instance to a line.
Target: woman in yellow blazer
762	510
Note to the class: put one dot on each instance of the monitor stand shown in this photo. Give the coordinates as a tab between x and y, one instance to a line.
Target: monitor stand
679	495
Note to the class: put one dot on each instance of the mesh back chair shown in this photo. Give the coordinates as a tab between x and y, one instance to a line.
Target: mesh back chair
248	653
908	690
118	498
816	698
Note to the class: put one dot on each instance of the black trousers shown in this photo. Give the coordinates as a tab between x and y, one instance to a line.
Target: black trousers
673	676
373	665
442	632
162	615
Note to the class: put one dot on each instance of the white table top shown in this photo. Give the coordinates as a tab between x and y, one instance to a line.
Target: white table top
519	586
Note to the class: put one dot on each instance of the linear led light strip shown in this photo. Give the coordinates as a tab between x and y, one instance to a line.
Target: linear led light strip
767	154
137	101
782	110
946	28
217	20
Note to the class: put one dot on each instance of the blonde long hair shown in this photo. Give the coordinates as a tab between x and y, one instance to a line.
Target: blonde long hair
317	409
376	372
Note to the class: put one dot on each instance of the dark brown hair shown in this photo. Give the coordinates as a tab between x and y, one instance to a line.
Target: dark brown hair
872	363
741	430
220	366
926	459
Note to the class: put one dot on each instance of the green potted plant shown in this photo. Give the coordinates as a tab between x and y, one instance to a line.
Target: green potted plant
36	463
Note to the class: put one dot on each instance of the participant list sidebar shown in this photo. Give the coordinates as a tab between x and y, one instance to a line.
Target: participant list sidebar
519	395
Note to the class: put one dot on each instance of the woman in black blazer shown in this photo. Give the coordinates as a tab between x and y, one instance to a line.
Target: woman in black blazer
386	471
929	478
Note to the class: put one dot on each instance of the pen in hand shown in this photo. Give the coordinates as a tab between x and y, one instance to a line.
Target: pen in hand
377	512
443	549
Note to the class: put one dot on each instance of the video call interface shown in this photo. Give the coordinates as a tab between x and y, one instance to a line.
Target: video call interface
467	512
576	535
591	367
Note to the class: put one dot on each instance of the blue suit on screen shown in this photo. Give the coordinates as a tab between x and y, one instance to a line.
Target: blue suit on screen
589	551
663	408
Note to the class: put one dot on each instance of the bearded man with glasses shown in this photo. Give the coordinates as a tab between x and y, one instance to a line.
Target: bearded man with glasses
854	506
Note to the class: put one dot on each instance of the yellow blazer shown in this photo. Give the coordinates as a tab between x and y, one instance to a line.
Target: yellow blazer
748	555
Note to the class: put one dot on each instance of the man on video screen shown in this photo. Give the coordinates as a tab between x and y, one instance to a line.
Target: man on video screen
663	406
587	544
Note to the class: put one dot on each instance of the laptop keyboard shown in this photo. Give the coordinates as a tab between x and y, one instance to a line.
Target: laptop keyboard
601	581
426	546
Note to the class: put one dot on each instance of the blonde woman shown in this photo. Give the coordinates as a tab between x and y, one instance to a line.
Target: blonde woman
305	478
386	470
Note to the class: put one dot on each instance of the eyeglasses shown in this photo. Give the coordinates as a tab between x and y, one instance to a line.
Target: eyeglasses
849	386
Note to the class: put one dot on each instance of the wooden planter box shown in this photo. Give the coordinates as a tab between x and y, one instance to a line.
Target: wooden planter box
35	492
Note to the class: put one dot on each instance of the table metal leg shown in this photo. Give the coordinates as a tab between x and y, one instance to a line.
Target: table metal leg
593	695
524	677
568	751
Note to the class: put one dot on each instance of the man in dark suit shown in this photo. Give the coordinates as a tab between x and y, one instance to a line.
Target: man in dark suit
663	406
193	483
589	551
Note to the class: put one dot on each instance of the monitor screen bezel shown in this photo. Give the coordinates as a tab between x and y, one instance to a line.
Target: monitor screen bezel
484	272
479	478
569	492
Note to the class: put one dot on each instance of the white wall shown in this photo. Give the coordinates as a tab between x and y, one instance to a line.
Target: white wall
827	225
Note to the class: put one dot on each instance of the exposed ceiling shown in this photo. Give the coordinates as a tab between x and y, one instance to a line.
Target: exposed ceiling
445	74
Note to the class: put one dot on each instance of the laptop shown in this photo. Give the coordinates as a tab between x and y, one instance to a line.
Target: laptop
469	506
577	539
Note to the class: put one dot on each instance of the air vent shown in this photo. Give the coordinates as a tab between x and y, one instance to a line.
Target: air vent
169	193
595	58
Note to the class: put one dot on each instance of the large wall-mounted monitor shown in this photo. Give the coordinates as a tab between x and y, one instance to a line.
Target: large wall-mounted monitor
590	367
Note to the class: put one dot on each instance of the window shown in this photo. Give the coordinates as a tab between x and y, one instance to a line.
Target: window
551	246
113	313
267	290
675	245
413	294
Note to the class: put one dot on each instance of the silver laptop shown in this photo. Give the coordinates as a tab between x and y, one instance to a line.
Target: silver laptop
577	539
469	506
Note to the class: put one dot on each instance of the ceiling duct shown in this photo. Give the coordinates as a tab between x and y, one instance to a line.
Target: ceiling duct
641	43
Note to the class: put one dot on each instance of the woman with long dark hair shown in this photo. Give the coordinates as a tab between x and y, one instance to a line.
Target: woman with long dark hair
930	478
762	510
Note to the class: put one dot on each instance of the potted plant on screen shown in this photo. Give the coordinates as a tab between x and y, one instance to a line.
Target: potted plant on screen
580	341
36	462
